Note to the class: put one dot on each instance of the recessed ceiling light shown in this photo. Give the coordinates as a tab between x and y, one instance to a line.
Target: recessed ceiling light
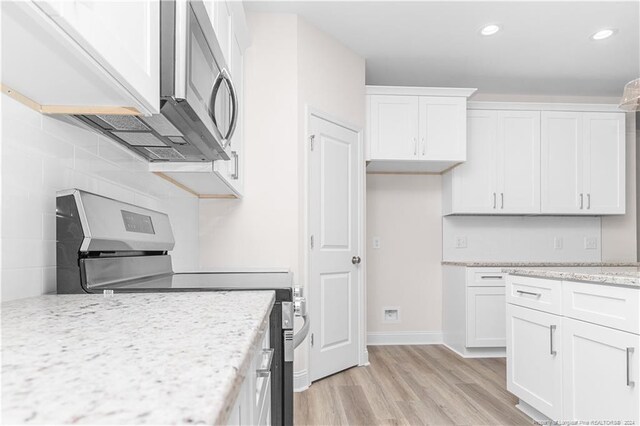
602	34
489	30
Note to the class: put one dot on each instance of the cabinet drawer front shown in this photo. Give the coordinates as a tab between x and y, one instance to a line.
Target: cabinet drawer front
535	293
616	307
485	277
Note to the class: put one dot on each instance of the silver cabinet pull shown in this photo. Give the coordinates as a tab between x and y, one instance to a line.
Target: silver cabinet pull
494	200
265	365
502	200
581	201
530	293
424	147
236	171
492	277
552	329
415	146
629	355
589	201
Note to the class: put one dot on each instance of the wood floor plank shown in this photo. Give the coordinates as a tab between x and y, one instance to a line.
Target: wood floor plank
412	385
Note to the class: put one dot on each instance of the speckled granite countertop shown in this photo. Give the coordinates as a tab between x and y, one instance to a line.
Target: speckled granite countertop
614	278
543	264
154	358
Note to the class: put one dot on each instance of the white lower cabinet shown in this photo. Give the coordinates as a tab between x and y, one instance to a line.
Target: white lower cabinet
600	373
474	310
568	367
534	359
253	404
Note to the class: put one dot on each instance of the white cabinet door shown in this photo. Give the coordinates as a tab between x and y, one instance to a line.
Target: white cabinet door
518	165
394	127
443	134
474	182
562	165
601	380
485	317
534	359
604	158
123	36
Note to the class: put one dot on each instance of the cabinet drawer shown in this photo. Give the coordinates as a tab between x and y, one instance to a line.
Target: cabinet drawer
535	293
485	277
616	307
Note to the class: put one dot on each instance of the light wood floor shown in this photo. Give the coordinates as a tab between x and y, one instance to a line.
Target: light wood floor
412	385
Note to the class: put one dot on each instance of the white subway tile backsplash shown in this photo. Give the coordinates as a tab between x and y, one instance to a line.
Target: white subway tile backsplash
45	154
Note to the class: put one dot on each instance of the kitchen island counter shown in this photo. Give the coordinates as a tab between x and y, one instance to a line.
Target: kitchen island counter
154	358
622	278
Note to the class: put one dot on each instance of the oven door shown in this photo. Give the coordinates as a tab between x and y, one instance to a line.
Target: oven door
209	89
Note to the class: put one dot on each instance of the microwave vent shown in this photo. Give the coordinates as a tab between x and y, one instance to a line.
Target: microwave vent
124	122
162	125
139	138
165	153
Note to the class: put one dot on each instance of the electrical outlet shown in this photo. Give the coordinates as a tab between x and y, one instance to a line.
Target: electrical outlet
557	243
376	242
590	243
391	314
461	242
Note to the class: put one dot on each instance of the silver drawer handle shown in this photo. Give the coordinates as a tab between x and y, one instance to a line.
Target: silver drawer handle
552	329
629	355
530	293
492	277
265	366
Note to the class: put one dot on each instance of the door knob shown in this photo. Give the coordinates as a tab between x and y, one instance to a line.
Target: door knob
356	260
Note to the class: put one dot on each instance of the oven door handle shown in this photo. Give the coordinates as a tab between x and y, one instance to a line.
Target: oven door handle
225	140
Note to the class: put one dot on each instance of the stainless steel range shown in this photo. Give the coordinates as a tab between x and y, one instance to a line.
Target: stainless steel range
108	245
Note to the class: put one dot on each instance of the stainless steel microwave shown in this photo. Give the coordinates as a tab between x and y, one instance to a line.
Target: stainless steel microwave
198	102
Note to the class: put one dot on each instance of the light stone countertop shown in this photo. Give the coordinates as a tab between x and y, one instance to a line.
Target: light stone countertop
483	264
623	278
154	358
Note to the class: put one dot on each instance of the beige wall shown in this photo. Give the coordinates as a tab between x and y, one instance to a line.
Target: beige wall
261	230
405	212
289	66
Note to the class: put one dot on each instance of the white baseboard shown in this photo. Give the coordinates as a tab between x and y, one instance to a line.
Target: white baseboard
378	338
301	381
479	352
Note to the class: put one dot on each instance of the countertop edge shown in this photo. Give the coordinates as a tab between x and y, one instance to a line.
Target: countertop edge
590	278
488	264
232	394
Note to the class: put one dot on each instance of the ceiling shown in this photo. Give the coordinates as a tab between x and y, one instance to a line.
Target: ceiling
544	48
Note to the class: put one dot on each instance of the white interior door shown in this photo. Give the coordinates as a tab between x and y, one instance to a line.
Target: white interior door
335	250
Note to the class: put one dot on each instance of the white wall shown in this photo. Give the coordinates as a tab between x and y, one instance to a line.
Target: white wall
289	65
405	212
44	154
520	238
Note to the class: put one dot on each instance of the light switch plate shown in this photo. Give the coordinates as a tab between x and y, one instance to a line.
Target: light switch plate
461	242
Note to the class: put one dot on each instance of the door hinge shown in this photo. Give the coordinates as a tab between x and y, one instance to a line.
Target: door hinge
312	241
312	140
311	339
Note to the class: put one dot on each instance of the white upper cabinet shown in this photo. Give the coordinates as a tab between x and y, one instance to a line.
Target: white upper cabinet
443	130
502	171
518	165
82	56
394	127
415	129
583	163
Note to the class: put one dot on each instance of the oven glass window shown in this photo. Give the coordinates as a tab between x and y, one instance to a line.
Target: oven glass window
134	222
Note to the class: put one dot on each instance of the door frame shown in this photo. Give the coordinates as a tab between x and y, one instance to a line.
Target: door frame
363	355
